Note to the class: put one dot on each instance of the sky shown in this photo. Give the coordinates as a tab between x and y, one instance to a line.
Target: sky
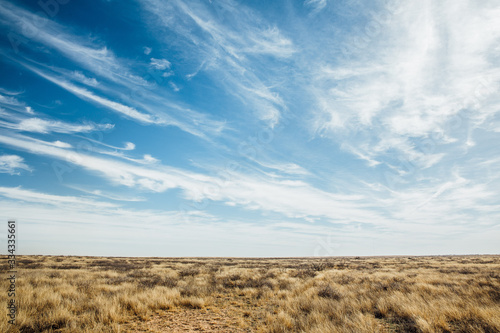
250	128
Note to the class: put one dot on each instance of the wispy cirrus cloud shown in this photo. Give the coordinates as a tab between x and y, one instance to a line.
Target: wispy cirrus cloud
160	64
119	108
114	76
437	66
146	158
97	59
113	170
44	126
152	104
284	168
38	197
12	164
316	5
229	49
126	145
76	207
107	194
8	101
89	81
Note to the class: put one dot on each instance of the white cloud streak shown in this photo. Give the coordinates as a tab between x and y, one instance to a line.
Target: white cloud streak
12	103
30	196
107	194
11	164
316	5
119	108
89	81
285	168
160	64
38	125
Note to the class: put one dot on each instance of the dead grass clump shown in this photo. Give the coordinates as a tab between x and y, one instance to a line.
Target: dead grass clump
192	271
118	280
304	273
256	283
284	284
194	290
326	291
193	302
472	326
344	279
84	287
405	323
150	282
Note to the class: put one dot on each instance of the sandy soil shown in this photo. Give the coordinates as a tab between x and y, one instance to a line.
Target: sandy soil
227	314
189	320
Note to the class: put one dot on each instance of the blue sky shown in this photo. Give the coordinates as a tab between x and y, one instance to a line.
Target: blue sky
250	128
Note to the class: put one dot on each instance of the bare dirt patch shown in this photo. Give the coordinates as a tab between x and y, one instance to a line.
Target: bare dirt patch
188	320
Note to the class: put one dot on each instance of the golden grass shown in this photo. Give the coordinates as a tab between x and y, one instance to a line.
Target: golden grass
375	294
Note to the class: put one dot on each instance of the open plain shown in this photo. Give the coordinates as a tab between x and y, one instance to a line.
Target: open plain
355	294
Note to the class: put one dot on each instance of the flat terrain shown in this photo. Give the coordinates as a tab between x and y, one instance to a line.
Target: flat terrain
368	294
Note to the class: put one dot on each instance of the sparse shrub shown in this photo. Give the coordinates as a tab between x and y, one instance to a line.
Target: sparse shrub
65	266
214	269
150	282
466	271
84	286
405	324
345	279
304	273
284	284
234	277
318	266
189	272
326	291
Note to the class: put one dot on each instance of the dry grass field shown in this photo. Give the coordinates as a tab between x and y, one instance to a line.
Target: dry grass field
372	294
